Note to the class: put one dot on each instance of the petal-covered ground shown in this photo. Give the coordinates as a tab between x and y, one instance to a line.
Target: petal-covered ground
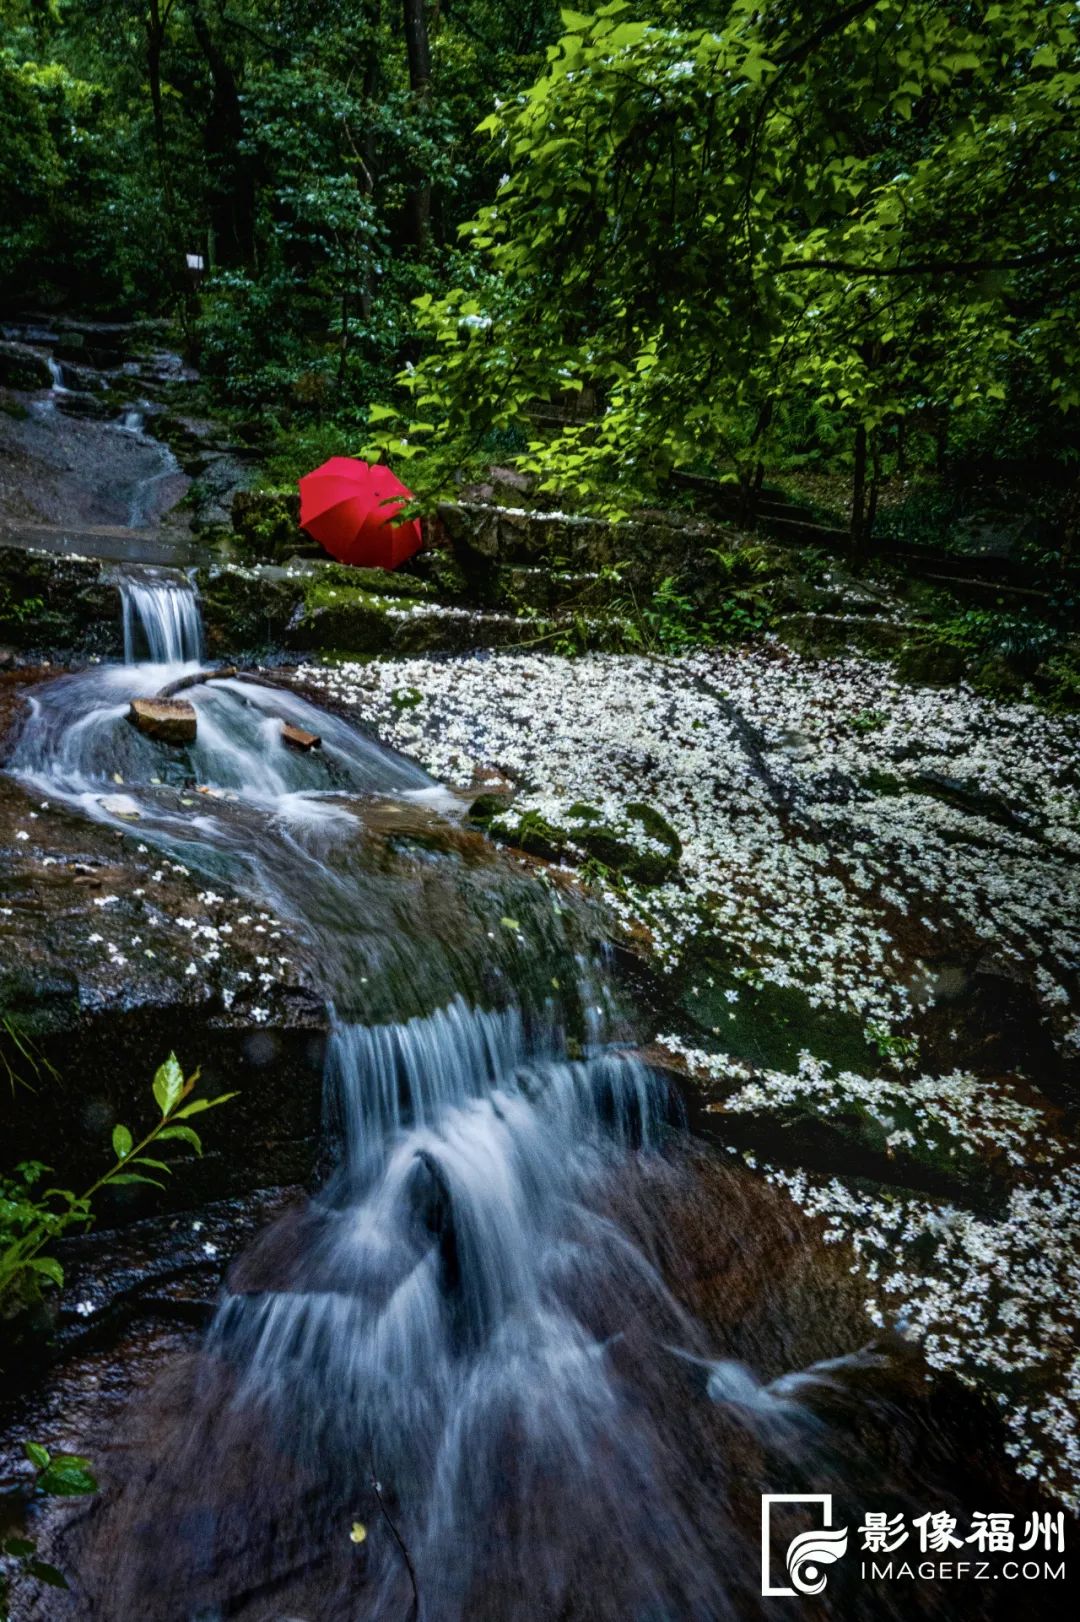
872	935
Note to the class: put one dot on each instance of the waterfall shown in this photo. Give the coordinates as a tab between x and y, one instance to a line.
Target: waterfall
164	615
56	373
449	1320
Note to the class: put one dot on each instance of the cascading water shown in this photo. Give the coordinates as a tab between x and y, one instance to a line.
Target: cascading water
144	497
163	615
466	1343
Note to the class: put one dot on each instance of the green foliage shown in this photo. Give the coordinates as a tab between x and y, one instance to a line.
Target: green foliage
56	1475
710	231
984	631
653	237
30	1220
867	721
1061	681
901	1050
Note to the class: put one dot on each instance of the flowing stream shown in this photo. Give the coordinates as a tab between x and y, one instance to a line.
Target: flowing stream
464	1348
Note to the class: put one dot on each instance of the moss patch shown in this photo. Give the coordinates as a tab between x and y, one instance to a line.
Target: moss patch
626	848
767	1025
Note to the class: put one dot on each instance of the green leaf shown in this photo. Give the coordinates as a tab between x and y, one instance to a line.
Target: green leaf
121	1142
45	1573
39	1456
18	1548
68	1476
147	1160
168	1085
51	1269
133	1177
187	1133
203	1103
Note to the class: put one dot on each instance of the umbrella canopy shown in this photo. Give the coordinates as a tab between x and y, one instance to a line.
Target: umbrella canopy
349	507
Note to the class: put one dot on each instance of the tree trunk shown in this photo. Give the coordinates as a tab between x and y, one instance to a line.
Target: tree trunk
233	185
752	477
155	40
371	88
418	49
858	493
875	485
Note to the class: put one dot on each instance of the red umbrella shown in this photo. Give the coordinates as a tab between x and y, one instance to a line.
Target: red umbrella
349	507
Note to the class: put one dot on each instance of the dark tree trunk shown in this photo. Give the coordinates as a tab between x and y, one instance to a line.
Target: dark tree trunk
418	50
752	477
875	486
232	180
858	494
371	87
155	40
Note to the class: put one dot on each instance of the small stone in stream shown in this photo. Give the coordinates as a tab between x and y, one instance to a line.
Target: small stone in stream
88	880
167	720
297	738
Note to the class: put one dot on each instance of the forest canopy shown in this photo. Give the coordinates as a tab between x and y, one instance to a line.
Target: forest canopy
713	237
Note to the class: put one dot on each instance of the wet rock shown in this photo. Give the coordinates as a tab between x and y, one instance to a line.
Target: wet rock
297	738
247	610
166	720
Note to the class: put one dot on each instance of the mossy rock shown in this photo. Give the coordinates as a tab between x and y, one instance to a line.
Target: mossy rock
341	617
380	582
765	1024
486	807
585	834
247	610
656	826
266	521
998	677
1057	681
21	368
52	602
931	663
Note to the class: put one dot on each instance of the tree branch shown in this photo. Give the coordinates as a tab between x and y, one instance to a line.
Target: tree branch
936	267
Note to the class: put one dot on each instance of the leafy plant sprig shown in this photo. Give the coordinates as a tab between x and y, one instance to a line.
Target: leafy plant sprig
56	1475
28	1224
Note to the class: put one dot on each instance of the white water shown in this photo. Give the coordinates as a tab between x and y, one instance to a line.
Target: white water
141	511
443	1330
161	616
